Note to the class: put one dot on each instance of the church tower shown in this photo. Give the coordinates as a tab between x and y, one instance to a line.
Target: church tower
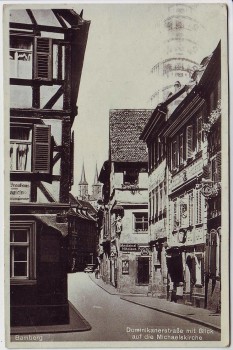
83	186
180	53
96	187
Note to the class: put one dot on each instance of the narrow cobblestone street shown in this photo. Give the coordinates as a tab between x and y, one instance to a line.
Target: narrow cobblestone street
114	319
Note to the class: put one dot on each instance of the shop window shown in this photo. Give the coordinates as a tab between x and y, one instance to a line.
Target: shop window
140	222
22	251
30	148
20	57
143	264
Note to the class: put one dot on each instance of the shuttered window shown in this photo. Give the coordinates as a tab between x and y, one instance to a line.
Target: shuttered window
150	211
174	155
190	197
218	165
181	154
199	133
43	58
41	149
216	168
175	214
198	207
189	141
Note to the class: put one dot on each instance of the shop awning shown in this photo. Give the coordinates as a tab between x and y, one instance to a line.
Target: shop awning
50	220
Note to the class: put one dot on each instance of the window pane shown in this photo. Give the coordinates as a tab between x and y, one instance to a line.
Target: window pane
20	253
19	236
20	269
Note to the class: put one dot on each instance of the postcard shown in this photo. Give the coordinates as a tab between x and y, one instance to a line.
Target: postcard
116	133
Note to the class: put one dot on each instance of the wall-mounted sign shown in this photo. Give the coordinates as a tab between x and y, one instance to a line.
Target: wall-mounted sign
129	247
20	191
125	267
145	250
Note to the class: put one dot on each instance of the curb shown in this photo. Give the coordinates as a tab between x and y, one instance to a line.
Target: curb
119	294
188	318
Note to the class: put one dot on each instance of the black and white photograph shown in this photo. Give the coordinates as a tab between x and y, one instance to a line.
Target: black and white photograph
116	174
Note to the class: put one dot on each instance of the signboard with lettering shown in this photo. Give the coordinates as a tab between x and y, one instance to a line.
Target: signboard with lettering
129	247
20	191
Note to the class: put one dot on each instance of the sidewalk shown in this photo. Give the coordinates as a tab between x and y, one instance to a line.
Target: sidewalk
77	324
201	316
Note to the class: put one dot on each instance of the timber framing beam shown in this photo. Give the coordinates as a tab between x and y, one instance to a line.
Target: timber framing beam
33	82
41	28
40	113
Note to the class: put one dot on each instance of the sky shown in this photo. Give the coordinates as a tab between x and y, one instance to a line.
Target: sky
125	41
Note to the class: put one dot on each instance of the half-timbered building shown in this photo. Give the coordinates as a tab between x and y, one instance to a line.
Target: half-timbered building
46	53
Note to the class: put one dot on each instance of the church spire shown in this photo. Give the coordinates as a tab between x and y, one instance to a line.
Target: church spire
83	180
96	181
96	187
83	185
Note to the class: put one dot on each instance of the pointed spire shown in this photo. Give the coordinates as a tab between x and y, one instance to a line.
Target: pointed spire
83	180
96	182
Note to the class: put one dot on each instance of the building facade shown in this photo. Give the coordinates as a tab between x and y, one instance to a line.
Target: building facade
47	48
185	154
83	247
126	255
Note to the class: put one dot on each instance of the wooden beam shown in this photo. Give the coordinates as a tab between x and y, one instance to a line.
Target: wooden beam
32	18
32	82
65	161
56	158
39	113
39	27
36	96
46	192
54	98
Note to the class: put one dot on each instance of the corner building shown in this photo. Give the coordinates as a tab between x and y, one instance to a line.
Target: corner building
126	256
46	50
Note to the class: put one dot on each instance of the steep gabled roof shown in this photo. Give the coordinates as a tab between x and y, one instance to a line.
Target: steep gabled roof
125	127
